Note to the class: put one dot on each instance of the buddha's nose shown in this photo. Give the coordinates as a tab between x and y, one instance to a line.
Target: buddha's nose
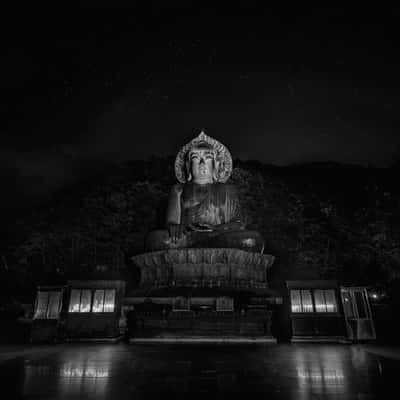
202	161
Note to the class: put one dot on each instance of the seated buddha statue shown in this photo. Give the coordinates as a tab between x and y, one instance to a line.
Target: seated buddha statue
203	210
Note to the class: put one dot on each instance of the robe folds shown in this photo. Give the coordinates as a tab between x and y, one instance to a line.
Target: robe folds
212	204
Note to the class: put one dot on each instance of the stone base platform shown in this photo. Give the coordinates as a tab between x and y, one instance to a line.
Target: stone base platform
204	339
203	267
201	292
204	324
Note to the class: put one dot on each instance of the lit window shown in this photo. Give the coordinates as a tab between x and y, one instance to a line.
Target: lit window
75	300
301	301
48	305
330	298
81	300
320	304
42	300
296	301
306	301
54	305
98	301
86	297
109	300
325	300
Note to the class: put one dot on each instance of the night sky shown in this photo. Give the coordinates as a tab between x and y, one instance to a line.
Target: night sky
87	86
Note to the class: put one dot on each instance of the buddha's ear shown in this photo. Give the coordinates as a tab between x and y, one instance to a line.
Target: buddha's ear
188	173
216	170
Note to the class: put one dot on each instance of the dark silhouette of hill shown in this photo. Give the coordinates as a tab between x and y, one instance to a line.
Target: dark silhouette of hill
321	220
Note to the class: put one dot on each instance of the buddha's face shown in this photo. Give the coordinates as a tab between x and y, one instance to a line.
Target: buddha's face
202	165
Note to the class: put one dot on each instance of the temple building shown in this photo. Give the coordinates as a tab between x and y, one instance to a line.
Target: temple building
204	274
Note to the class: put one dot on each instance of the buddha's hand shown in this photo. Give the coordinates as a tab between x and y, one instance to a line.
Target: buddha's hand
176	232
230	226
199	227
177	189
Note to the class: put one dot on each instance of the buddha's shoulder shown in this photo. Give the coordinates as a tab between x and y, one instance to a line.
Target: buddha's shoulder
177	188
225	188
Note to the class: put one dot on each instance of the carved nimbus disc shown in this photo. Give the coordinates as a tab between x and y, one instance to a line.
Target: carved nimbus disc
223	157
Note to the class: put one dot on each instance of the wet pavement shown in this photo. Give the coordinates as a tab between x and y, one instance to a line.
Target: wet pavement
132	371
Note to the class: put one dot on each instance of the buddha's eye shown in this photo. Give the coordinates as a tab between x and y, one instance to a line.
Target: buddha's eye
207	155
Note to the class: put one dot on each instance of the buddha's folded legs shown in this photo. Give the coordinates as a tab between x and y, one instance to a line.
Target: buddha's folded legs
161	240
241	239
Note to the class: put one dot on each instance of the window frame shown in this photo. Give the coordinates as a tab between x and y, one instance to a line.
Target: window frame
314	310
47	309
93	292
95	298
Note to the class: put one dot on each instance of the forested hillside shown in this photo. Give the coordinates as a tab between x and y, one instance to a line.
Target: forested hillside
321	220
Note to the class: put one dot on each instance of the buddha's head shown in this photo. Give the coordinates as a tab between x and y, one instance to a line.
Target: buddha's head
202	164
203	160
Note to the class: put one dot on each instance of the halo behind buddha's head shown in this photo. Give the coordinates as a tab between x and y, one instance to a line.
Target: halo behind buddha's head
222	157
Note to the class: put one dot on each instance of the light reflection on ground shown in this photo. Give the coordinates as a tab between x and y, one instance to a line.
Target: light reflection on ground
297	371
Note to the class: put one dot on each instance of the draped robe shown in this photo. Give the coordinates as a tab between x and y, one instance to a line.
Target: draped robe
212	204
210	215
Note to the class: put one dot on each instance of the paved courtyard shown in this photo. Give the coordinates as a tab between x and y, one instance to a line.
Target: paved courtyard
195	371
